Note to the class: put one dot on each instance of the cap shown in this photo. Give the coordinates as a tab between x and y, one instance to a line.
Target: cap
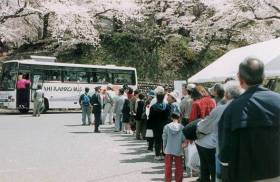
151	93
174	95
159	89
110	86
191	86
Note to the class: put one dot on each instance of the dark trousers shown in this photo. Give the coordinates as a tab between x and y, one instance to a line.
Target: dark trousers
140	128
97	120
23	97
207	164
150	143
158	142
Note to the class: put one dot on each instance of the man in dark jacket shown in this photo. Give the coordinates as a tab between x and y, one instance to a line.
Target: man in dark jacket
97	108
249	130
158	118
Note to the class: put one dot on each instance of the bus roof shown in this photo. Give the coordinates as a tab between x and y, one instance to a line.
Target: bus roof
35	62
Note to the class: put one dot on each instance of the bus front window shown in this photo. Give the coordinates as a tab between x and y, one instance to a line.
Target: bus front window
9	76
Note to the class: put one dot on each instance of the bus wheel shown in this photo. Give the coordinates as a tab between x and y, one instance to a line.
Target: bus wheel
46	105
23	111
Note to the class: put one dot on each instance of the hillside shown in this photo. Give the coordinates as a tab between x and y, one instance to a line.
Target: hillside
165	40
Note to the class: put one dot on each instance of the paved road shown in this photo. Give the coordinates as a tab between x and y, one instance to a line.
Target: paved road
55	148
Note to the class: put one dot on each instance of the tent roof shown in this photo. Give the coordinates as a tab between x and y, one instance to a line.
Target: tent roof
227	65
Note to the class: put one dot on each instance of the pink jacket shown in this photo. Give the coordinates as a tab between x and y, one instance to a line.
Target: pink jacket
21	84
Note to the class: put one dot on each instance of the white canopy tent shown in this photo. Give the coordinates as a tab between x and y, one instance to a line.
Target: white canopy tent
227	65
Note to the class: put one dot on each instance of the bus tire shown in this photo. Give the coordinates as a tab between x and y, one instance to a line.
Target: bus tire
46	105
23	111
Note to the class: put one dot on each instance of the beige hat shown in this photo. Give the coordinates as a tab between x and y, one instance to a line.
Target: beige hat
174	95
159	89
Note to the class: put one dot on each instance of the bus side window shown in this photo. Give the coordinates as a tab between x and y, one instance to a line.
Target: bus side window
70	76
83	77
93	78
123	78
52	75
102	78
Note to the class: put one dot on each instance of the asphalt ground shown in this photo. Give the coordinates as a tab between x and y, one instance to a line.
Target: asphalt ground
56	148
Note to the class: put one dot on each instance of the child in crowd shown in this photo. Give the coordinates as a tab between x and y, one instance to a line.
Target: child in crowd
173	143
38	101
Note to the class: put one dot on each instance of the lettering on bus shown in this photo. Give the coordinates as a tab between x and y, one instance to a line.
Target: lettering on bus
62	89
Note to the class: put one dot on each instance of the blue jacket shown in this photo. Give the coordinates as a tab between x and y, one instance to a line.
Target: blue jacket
173	138
249	136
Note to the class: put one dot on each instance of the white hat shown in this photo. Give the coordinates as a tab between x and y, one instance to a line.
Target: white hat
174	95
191	86
110	86
159	89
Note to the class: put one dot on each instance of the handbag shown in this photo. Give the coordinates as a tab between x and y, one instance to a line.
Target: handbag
149	133
190	130
193	156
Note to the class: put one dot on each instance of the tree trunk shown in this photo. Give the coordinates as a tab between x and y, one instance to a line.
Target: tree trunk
45	25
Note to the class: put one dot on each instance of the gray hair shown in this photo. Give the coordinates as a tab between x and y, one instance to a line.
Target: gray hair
232	90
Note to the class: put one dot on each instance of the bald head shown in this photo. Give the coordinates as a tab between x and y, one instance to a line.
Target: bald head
251	71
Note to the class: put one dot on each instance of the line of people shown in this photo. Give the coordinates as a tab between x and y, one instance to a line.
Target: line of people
227	133
231	131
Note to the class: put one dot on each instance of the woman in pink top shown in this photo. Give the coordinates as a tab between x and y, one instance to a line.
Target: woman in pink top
23	91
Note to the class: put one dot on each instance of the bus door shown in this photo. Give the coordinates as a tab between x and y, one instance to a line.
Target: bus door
23	94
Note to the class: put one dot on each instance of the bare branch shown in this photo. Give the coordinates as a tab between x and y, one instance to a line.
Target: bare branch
272	6
15	15
262	18
103	12
3	19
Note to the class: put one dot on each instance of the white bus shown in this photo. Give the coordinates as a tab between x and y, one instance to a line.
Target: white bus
62	83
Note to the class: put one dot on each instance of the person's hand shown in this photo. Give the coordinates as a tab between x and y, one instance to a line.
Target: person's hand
184	145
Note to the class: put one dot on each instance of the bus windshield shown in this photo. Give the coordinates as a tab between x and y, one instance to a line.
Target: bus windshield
9	75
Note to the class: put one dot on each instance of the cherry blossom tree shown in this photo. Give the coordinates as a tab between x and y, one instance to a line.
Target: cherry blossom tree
67	21
221	21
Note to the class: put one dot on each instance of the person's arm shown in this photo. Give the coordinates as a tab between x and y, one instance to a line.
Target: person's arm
117	105
35	95
164	137
194	112
151	117
206	125
80	99
224	137
90	104
182	107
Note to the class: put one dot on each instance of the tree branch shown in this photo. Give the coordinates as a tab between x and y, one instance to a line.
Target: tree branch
272	6
103	12
5	18
15	15
262	18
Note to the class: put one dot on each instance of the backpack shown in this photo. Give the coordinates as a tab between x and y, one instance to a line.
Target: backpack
86	100
110	99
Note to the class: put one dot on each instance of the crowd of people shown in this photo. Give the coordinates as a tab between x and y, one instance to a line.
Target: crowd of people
229	132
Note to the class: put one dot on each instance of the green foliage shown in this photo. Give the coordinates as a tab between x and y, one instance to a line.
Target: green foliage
156	56
159	54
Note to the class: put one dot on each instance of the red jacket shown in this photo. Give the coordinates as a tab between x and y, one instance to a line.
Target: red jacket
202	108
